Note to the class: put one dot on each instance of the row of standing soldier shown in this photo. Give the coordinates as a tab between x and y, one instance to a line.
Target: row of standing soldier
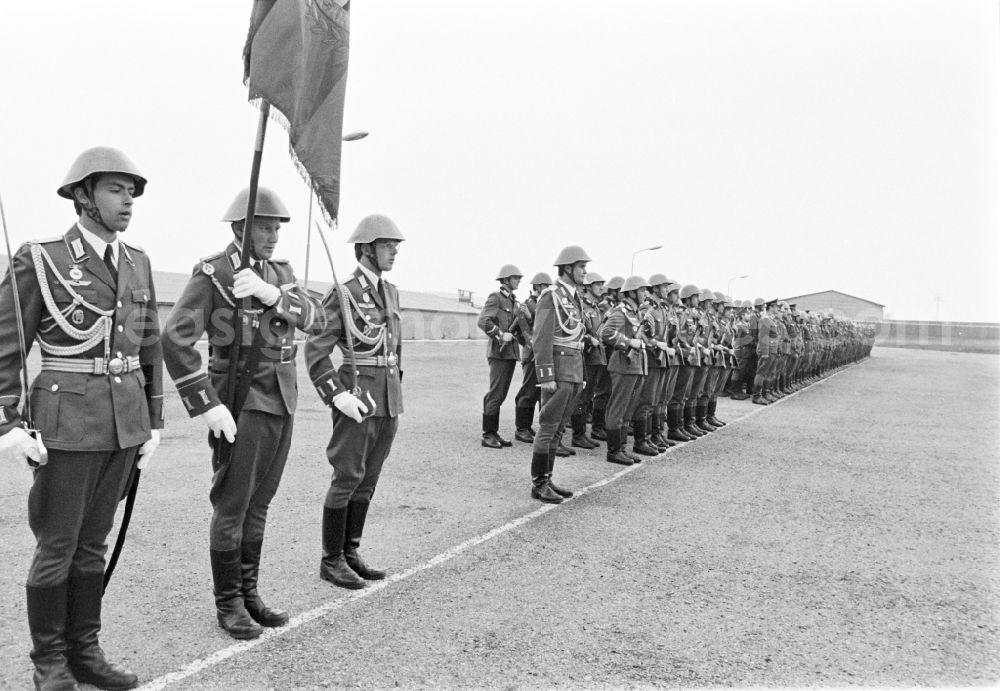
646	357
87	298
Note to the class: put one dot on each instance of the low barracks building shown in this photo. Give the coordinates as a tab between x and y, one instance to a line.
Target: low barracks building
842	304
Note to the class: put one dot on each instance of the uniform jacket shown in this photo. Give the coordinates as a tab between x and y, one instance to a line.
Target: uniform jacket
496	318
593	354
622	324
377	332
767	336
688	335
557	337
673	321
785	343
654	319
524	323
207	305
78	411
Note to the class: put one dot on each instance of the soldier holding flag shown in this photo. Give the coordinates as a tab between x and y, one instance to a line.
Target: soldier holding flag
87	298
250	439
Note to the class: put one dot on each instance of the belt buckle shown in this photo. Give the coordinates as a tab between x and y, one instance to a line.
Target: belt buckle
116	365
391	360
287	354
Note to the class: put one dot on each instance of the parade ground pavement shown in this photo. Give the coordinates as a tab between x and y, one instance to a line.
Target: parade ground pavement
845	536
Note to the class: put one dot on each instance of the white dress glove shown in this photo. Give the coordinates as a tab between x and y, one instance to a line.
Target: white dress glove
19	446
148	448
220	421
351	406
635	343
249	283
506	337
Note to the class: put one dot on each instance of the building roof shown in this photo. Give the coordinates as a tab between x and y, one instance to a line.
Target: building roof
824	292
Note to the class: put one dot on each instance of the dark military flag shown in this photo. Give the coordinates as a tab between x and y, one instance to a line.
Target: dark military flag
296	59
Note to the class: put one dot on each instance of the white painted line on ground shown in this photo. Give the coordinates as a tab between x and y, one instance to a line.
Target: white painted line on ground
218	656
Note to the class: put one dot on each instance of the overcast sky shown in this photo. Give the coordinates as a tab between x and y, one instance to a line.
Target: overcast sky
812	145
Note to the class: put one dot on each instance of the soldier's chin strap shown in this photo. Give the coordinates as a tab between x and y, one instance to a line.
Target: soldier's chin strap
90	207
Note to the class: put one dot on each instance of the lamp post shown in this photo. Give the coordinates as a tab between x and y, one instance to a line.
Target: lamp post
646	249
734	278
349	137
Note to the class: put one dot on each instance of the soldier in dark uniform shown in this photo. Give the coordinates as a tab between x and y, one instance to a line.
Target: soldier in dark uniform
528	395
767	353
602	387
675	362
87	298
365	418
645	419
622	331
557	340
595	361
247	466
688	329
498	321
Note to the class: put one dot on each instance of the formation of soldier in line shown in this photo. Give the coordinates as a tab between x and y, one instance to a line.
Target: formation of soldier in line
92	415
646	357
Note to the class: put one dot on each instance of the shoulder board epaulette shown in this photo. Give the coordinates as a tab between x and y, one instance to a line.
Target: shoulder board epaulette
45	241
350	278
133	247
391	285
212	257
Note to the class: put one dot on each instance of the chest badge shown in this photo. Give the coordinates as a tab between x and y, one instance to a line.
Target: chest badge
75	273
366	297
77	317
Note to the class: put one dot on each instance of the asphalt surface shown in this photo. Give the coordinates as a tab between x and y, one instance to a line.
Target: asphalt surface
845	536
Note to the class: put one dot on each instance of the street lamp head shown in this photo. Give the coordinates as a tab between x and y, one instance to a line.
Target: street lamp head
354	136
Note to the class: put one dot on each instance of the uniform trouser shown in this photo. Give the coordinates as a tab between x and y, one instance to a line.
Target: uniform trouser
625	391
501	372
711	383
751	368
669	386
528	395
71	510
698	385
593	373
682	389
557	409
602	392
357	451
243	488
649	394
720	385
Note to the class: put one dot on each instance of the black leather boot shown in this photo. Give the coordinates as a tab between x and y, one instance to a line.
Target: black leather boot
674	426
258	611
597	427
562	492
689	426
636	458
578	422
656	437
701	410
641	445
333	567
47	623
615	453
83	623
231	613
522	424
357	512
711	414
491	440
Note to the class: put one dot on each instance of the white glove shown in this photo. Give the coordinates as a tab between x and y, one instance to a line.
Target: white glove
351	406
670	351
506	337
249	283
19	446
220	421
635	343
662	345
148	448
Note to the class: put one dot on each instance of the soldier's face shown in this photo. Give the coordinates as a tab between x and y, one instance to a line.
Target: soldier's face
385	254
672	297
578	271
597	289
514	282
112	194
264	237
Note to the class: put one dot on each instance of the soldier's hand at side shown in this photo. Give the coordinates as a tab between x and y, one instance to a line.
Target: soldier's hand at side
19	446
506	337
350	405
548	386
635	343
220	421
670	351
148	448
249	283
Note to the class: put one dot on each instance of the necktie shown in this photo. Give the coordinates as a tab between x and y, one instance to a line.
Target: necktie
109	261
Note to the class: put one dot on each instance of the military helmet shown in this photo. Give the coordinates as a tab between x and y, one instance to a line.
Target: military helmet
509	271
658	280
688	290
718	297
375	227
757	302
705	294
749	304
615	283
672	286
100	159
592	277
268	205
570	255
633	283
541	278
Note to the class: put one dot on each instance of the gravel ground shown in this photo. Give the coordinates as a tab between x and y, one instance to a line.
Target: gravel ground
845	537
